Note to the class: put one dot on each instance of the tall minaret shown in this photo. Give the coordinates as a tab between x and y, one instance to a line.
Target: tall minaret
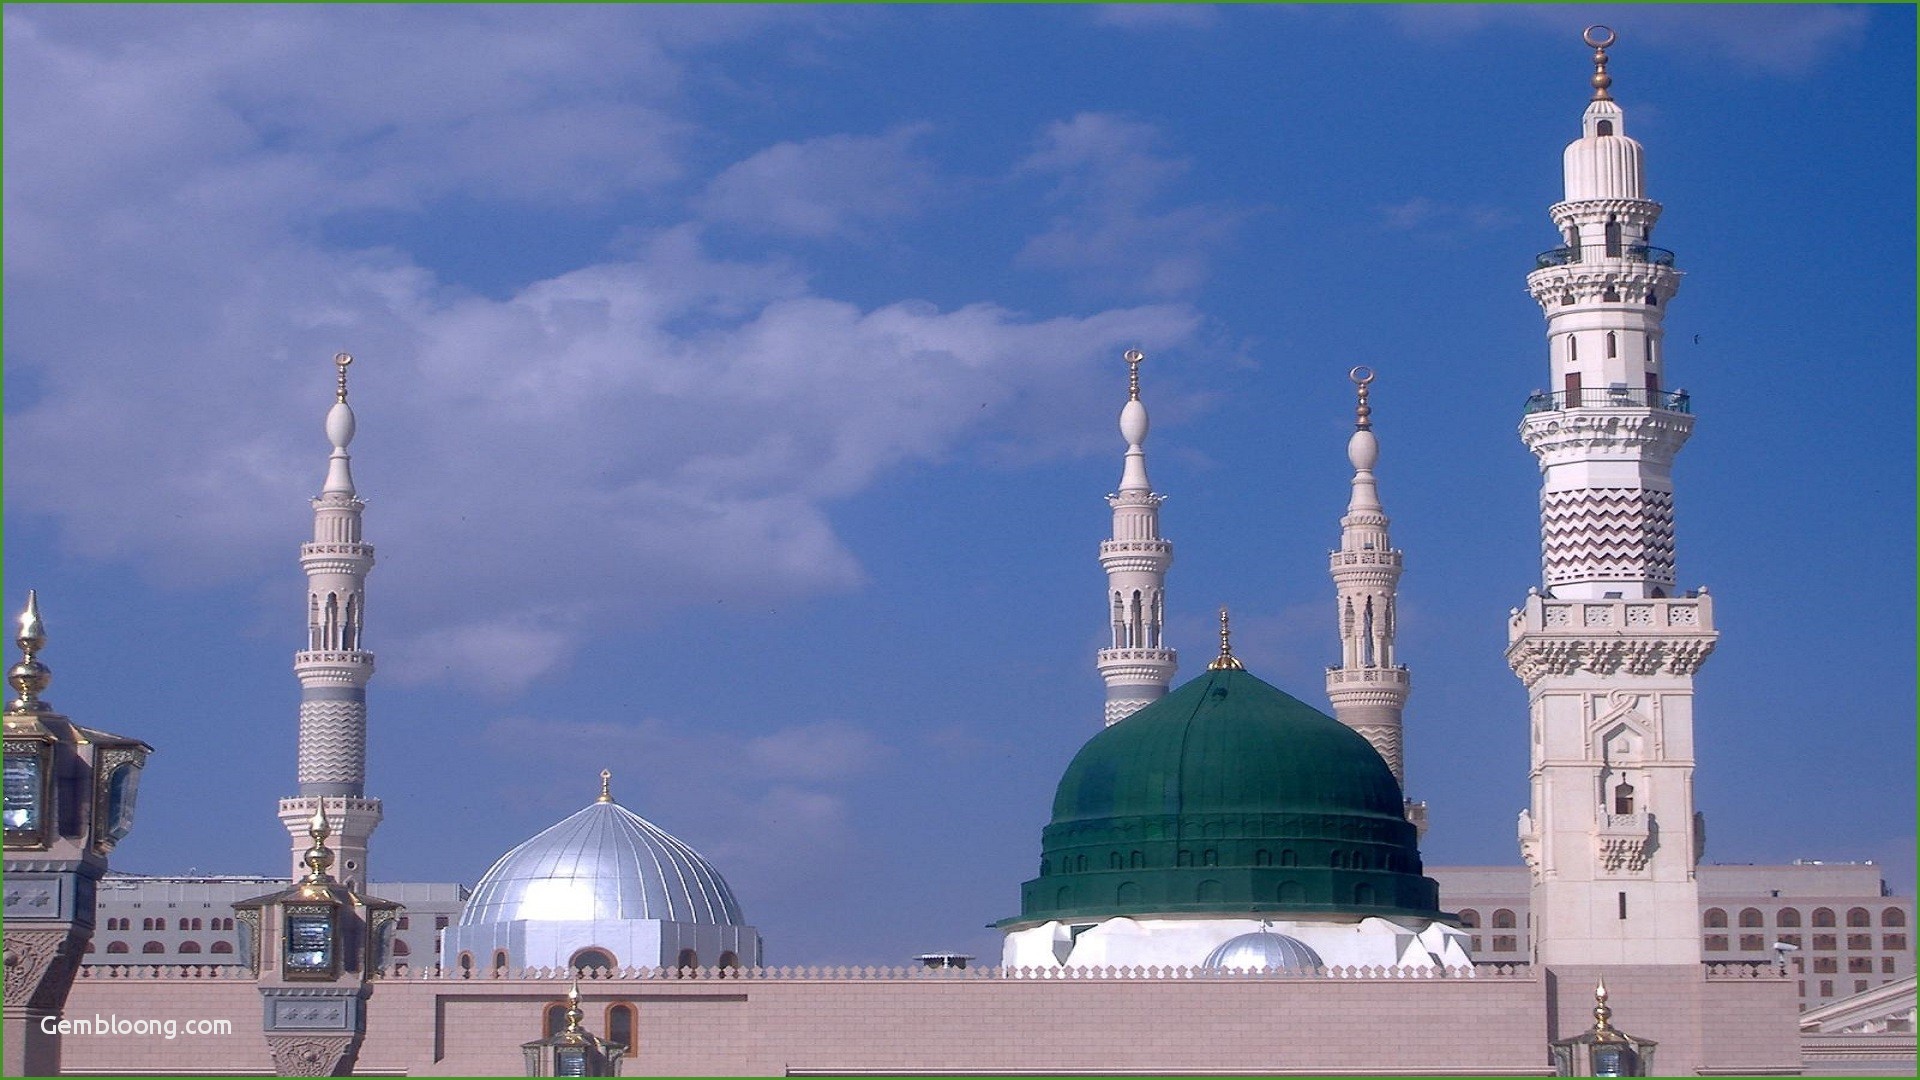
333	669
1137	666
1368	688
1606	649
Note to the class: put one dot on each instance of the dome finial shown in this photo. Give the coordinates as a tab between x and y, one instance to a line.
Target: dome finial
1602	1012
574	1013
1226	661
606	786
1133	358
1600	36
1362	412
29	677
341	360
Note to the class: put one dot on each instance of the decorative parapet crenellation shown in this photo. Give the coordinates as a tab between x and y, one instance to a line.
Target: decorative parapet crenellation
828	973
1656	636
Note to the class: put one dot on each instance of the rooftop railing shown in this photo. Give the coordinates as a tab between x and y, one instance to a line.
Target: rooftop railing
1611	397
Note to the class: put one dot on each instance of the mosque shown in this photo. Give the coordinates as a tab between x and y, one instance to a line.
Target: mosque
1230	881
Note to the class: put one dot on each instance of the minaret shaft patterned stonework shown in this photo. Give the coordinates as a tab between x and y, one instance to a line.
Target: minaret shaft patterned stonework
333	668
1369	687
1606	649
1137	665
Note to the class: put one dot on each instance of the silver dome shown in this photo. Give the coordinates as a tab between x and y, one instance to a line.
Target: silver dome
1262	949
603	863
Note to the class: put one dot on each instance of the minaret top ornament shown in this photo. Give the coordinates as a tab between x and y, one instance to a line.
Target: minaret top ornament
1600	37
341	360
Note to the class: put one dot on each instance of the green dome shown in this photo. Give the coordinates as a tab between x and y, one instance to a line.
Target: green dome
1226	797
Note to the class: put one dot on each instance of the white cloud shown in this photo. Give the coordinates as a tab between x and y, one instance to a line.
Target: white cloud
1109	175
609	443
826	750
826	187
1422	214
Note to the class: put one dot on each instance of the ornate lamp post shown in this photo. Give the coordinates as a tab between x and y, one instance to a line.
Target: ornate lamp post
313	947
1603	1050
69	798
573	1050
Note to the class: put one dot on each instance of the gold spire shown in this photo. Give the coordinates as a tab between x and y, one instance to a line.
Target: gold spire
1602	1013
29	677
341	360
1363	412
1600	36
1133	358
318	857
1226	661
574	1012
606	786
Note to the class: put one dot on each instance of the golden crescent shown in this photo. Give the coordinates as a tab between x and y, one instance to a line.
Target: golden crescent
1361	375
1599	35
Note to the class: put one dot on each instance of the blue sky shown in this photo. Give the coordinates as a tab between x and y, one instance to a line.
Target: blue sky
737	393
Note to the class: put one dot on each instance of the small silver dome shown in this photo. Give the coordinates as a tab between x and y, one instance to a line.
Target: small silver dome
605	862
1262	949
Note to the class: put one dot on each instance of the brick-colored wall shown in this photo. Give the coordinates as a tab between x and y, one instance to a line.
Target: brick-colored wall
972	1020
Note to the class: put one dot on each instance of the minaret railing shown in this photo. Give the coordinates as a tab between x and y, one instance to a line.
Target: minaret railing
1610	397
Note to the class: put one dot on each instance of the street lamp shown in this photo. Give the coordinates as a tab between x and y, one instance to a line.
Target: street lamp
68	798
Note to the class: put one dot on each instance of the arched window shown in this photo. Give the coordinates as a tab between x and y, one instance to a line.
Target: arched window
1136	861
1061	898
1263	857
1115	862
466	964
620	1025
1752	917
1893	916
729	960
1573	349
1338	860
499	959
1622	799
1469	917
400	947
1288	858
1080	862
189	946
1604	127
1787	917
1613	344
1128	893
688	959
1208	891
1184	858
1714	917
591	959
1210	857
1359	860
153	947
553	1019
1613	236
1859	917
116	946
1503	919
223	947
1823	916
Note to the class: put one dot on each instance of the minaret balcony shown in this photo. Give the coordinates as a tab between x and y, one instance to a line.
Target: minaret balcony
1611	397
1567	256
1362	677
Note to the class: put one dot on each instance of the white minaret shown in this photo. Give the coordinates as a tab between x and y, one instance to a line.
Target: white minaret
1368	687
333	669
1137	665
1606	649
